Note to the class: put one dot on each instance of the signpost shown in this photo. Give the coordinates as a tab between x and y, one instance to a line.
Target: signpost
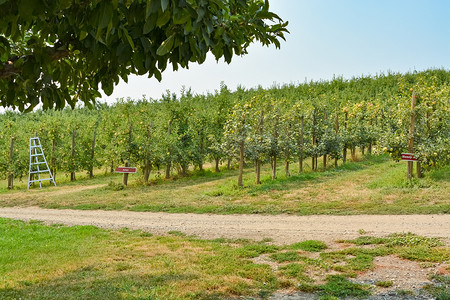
125	170
409	157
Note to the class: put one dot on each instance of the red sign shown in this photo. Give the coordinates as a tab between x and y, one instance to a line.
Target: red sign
125	170
408	157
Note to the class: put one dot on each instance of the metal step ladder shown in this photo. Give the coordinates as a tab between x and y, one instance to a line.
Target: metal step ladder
38	164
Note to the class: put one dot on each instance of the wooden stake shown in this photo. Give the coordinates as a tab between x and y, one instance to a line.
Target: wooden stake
11	174
125	175
72	174
241	163
409	175
91	167
336	128
344	152
300	158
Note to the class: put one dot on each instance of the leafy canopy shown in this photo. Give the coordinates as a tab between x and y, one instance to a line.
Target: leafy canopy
63	51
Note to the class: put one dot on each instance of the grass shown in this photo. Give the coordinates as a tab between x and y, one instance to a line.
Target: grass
59	262
310	245
441	290
374	185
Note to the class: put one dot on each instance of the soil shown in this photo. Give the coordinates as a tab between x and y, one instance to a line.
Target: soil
282	229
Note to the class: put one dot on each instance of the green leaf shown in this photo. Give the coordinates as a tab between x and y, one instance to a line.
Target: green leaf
83	35
181	16
26	9
158	75
166	46
164	4
130	40
164	18
105	16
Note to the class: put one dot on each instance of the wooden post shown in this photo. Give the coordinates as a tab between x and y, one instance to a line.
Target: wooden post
258	161
91	167
72	173
344	152
169	163
409	175
241	163
125	175
300	156
314	156
325	155
274	159
11	174
53	161
336	128
148	165
287	152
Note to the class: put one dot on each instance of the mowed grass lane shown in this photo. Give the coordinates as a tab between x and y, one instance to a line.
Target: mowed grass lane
375	185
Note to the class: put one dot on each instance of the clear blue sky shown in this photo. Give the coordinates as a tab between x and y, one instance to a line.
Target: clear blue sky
328	37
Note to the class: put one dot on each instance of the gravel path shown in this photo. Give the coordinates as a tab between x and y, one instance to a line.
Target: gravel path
283	229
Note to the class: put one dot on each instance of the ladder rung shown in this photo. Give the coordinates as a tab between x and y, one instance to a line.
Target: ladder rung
40	171
40	154
31	181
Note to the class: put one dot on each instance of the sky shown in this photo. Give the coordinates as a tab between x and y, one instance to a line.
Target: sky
348	38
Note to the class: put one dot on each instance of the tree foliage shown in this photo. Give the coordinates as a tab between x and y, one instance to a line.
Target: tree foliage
281	124
63	51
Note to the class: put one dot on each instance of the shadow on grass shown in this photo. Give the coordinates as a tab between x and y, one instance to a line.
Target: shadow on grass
89	283
286	183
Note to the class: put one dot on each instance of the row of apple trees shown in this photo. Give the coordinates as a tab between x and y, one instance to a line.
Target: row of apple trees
303	124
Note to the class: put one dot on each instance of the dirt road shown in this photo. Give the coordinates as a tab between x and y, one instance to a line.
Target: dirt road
283	229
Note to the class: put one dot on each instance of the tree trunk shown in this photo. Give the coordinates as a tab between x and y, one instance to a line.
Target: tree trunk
419	170
258	171
184	168
241	163
228	164
286	168
324	162
168	167
274	169
353	153
217	160
200	164
11	174
336	128
344	155
363	150
91	167
112	167
147	170
72	174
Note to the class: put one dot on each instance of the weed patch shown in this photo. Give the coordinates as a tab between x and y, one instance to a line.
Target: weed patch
339	286
310	245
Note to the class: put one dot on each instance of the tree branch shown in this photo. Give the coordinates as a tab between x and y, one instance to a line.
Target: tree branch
8	69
